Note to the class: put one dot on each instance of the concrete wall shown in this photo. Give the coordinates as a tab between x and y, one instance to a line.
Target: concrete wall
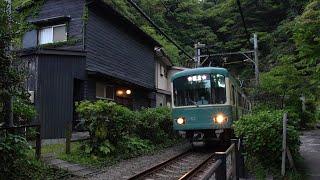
162	78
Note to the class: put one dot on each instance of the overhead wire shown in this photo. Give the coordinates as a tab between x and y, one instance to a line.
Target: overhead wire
243	21
172	14
158	28
169	38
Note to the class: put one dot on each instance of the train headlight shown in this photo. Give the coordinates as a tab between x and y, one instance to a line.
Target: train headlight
220	118
181	120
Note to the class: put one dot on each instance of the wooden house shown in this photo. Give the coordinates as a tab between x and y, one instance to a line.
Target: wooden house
86	50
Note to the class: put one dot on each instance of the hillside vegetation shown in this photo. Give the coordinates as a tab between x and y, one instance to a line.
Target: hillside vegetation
288	34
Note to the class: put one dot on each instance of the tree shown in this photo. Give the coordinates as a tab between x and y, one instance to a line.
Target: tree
11	77
282	81
5	64
306	37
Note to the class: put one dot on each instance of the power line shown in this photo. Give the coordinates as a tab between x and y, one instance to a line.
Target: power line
244	23
158	28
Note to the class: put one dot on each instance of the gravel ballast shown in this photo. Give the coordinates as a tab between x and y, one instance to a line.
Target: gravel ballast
127	168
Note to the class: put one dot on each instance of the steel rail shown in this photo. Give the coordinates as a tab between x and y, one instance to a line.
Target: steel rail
159	166
194	171
212	169
191	174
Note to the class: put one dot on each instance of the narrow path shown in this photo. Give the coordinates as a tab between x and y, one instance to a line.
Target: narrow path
310	151
74	169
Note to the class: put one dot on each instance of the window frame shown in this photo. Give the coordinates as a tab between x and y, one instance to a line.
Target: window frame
174	99
52	33
105	91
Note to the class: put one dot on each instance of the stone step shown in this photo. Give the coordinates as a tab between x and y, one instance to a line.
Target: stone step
73	168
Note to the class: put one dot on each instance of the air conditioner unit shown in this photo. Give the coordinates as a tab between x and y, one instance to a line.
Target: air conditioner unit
31	96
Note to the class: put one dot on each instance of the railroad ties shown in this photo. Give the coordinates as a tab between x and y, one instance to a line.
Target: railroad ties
192	164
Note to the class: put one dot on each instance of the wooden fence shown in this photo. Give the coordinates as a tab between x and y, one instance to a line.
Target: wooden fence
69	138
223	170
23	131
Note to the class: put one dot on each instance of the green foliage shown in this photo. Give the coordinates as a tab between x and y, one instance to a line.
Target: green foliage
11	75
263	137
307	40
12	149
115	127
107	123
23	111
26	9
282	81
294	63
306	32
155	124
133	146
308	119
15	162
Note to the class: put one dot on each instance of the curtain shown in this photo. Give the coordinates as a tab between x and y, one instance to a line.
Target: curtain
46	35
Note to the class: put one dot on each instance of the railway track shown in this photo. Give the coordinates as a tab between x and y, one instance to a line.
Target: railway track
191	164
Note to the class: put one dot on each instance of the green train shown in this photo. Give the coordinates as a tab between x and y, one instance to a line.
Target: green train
205	102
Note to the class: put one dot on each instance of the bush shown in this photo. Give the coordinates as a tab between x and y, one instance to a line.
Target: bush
113	126
15	162
263	137
23	111
155	124
13	151
133	146
107	123
308	119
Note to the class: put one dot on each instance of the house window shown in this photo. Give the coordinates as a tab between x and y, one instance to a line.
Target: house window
104	91
52	34
163	71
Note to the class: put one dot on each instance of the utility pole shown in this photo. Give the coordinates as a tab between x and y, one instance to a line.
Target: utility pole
197	58
256	59
247	54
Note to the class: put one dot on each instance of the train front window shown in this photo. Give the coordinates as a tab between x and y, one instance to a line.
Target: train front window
202	89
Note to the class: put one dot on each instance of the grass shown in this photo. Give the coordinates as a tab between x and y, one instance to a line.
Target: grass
260	172
77	155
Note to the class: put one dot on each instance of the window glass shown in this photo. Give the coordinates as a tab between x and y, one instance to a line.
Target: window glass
109	92
45	35
52	34
100	90
239	100
218	89
59	33
161	70
234	95
199	89
31	82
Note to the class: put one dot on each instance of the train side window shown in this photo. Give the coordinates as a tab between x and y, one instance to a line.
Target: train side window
218	89
233	95
239	100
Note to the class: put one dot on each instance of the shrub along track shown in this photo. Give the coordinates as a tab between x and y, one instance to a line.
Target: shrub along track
191	164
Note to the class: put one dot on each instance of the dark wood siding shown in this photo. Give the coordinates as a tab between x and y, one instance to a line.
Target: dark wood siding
115	51
72	8
55	91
